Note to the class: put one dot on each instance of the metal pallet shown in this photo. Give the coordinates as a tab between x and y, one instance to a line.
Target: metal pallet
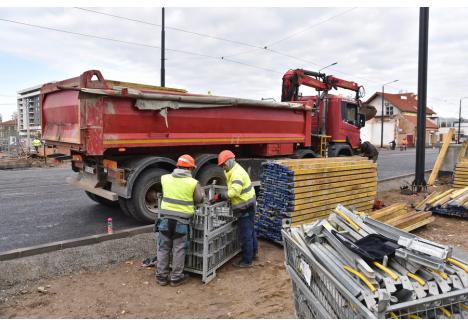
214	239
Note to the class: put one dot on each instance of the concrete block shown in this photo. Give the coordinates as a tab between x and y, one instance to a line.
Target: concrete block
451	158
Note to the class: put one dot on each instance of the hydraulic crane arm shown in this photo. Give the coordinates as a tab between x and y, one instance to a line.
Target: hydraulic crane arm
292	79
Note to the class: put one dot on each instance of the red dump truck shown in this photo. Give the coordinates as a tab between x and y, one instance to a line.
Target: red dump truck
123	136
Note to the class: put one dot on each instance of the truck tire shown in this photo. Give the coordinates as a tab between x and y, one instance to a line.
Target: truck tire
340	150
304	153
209	173
144	202
101	200
124	208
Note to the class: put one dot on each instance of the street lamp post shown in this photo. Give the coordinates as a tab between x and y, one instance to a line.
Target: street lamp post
459	119
381	127
334	63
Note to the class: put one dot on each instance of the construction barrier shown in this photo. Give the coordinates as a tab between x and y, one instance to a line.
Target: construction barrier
420	279
303	190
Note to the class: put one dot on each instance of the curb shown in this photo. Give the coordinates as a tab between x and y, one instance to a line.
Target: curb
72	243
401	176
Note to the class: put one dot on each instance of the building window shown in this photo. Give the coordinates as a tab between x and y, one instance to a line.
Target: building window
388	109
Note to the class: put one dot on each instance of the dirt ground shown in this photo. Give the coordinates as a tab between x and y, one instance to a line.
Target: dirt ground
129	291
445	230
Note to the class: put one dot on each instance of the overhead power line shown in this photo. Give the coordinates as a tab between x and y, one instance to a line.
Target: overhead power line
171	28
310	27
135	43
269	44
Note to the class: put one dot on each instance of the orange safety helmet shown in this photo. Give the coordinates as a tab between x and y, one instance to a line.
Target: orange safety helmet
186	161
224	156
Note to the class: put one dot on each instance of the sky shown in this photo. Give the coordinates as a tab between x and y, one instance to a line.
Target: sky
372	46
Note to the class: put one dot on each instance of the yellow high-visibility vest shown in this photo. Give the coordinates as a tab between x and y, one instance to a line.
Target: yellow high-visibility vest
240	190
178	196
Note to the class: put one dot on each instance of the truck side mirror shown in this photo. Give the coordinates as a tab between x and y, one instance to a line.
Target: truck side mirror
362	120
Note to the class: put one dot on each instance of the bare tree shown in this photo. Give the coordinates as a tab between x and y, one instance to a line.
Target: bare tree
14	115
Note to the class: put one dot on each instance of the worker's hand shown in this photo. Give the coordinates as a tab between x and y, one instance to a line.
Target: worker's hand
222	195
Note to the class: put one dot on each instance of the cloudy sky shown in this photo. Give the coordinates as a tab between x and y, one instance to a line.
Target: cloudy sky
371	45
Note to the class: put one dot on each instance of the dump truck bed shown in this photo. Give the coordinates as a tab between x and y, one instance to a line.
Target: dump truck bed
91	115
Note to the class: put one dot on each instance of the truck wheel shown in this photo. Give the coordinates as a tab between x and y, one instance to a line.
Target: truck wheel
144	202
304	153
124	207
210	173
340	150
103	201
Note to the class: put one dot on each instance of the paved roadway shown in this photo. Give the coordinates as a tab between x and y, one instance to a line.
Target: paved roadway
37	206
395	163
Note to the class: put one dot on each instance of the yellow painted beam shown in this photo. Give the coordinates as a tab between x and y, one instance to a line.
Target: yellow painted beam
331	179
333	202
326	175
331	199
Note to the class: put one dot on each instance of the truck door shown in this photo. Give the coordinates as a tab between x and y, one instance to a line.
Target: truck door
350	125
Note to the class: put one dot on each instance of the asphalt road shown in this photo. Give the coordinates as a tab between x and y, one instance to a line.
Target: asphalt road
37	206
396	163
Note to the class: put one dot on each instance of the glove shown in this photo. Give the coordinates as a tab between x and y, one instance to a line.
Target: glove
218	197
214	199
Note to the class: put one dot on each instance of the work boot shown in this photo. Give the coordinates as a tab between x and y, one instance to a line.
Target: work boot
255	256
242	264
163	281
180	280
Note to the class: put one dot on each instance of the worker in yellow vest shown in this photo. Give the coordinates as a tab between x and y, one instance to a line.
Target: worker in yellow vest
36	143
241	194
181	193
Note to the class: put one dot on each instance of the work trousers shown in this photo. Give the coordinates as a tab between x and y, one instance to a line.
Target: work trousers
166	246
249	242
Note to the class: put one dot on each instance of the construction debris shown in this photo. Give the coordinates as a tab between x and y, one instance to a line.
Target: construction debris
353	266
399	216
14	163
460	175
300	191
453	202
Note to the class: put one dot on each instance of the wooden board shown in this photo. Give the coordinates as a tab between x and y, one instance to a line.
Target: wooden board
332	193
462	152
327	179
336	186
419	224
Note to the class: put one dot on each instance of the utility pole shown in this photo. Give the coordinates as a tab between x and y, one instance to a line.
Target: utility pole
381	127
419	182
163	48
